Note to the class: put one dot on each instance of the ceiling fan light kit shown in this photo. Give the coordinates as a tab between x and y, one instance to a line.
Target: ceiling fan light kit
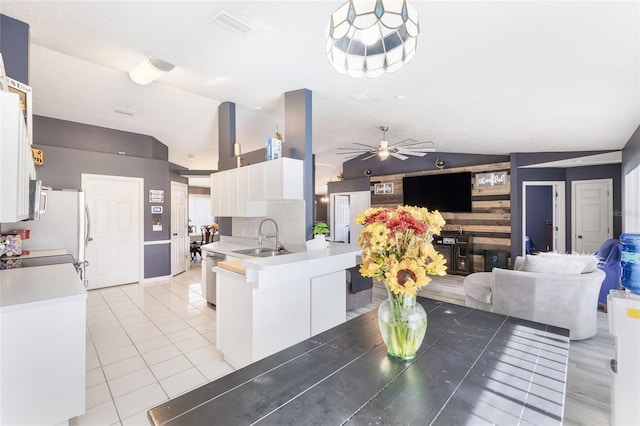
400	150
371	37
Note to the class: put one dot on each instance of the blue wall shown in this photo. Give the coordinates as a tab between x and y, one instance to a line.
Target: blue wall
14	46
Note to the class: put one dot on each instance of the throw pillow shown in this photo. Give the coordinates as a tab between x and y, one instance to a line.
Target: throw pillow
552	265
590	261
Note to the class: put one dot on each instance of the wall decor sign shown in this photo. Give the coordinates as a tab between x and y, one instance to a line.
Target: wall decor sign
38	156
24	93
491	179
383	188
156	196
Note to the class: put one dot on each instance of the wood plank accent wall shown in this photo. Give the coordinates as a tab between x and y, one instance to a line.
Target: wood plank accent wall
489	224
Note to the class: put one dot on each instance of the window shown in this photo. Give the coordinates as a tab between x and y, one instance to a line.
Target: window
200	210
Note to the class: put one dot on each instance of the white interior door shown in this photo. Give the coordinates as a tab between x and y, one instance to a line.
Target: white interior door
592	206
115	209
179	228
341	218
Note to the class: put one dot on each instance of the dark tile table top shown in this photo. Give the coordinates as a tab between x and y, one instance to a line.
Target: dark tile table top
474	367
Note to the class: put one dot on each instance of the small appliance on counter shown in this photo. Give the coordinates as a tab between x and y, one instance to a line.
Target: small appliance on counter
10	245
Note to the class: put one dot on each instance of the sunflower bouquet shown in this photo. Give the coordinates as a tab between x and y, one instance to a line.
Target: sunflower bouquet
397	248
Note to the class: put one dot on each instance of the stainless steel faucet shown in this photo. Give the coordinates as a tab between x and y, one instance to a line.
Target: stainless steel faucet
271	235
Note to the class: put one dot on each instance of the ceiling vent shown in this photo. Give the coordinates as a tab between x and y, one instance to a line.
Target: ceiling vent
231	23
124	111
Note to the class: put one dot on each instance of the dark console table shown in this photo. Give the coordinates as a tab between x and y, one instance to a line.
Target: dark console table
474	367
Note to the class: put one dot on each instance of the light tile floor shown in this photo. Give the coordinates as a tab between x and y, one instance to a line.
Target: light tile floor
146	344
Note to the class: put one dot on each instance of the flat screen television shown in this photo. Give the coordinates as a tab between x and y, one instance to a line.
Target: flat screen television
447	192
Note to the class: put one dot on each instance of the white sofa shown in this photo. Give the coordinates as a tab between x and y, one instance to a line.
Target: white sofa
561	297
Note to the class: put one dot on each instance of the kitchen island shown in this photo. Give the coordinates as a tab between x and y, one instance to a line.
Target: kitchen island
42	332
267	304
474	367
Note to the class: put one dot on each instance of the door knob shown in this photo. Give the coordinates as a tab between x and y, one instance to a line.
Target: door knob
579	237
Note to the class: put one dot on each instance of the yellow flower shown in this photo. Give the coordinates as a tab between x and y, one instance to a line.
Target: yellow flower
435	263
406	276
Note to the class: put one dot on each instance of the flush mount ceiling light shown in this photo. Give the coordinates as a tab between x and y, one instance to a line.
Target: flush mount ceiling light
371	37
149	69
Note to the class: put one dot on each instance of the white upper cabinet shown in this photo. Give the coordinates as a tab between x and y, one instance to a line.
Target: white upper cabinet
244	191
16	164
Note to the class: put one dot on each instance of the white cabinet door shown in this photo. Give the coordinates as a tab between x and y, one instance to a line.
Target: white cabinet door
215	194
292	179
242	189
274	182
15	157
257	182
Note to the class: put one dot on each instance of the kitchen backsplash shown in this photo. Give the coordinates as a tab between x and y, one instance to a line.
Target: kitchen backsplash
288	214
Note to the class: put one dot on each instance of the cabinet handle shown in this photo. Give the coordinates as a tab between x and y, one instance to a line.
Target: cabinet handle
579	237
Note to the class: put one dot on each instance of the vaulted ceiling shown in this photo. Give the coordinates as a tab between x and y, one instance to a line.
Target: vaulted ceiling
488	77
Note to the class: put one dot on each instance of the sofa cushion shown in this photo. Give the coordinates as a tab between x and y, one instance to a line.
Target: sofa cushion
478	286
356	281
552	265
590	261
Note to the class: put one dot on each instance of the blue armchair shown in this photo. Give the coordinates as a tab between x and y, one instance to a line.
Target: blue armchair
609	253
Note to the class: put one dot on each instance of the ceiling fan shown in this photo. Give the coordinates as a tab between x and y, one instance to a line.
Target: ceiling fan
400	149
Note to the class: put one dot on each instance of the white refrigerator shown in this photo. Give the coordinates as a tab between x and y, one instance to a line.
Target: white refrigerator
623	309
64	224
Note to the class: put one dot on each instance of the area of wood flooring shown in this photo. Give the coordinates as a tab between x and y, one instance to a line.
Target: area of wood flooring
587	400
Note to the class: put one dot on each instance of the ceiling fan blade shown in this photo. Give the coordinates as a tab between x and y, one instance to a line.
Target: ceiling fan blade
402	142
399	156
414	153
369	156
364	144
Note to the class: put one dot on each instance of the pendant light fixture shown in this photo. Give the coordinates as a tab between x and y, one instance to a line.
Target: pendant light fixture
371	37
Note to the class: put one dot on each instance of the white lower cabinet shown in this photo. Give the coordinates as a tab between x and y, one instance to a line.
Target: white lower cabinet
43	359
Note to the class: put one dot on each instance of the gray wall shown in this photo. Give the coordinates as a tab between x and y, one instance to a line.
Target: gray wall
631	153
63	167
14	46
567	175
67	134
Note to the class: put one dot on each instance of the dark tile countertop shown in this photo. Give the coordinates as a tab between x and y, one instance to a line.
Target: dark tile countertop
474	367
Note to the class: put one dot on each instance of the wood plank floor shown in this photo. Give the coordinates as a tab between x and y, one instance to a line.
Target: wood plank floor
587	400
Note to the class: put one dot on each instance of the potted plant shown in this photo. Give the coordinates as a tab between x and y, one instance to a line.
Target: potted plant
320	228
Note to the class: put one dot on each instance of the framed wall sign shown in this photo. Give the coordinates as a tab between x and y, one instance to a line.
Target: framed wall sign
24	93
491	179
383	188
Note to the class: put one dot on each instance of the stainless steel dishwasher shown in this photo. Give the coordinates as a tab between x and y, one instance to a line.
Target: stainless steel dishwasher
211	259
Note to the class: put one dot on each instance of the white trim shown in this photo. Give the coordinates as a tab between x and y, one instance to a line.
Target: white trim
153	243
559	213
153	280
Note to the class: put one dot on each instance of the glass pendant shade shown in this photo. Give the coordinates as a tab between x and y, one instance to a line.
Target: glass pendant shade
371	37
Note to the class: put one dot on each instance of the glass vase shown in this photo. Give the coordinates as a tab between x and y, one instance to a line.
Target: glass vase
403	324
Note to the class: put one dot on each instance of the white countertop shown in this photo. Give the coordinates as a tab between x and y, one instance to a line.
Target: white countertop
22	286
334	249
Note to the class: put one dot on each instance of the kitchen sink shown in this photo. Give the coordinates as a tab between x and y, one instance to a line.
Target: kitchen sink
261	252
